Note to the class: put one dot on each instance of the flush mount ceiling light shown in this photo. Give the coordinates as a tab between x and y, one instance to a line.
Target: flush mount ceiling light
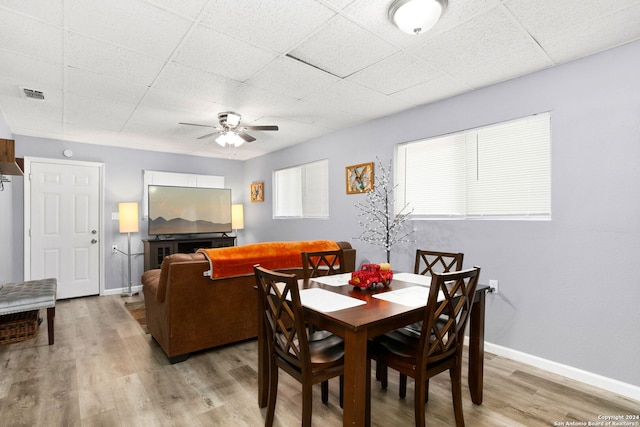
416	16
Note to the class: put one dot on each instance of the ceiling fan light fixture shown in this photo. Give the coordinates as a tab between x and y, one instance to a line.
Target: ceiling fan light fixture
416	16
222	139
234	139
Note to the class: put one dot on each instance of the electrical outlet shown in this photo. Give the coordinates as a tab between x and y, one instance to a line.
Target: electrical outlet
493	284
114	249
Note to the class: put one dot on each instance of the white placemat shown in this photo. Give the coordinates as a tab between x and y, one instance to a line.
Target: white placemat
327	301
414	296
418	279
334	280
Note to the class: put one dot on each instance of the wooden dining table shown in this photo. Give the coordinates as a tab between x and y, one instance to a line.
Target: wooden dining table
356	325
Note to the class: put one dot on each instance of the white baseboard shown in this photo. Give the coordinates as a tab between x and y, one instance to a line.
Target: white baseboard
122	291
615	386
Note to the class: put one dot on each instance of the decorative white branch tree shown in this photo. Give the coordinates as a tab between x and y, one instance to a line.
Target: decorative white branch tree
381	226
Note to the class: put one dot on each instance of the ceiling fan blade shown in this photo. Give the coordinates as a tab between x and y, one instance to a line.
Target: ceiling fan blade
196	124
208	135
264	127
246	137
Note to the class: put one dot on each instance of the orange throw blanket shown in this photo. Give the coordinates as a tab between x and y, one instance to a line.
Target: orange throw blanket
239	260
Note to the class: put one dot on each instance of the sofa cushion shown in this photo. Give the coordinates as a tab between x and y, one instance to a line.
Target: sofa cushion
239	260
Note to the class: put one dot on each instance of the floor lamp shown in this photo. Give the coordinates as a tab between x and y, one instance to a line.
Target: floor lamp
237	218
128	213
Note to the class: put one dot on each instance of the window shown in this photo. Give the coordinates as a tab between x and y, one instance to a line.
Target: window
497	171
302	191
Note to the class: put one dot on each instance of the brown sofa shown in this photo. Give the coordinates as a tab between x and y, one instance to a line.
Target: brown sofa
188	311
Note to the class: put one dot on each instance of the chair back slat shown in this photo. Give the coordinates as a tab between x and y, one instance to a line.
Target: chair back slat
322	263
428	262
279	297
447	312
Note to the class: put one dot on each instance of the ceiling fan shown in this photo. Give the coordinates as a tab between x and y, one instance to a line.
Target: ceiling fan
230	132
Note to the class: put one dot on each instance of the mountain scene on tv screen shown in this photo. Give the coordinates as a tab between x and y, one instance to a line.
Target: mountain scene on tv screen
183	226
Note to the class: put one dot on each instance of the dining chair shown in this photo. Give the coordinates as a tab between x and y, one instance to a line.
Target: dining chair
426	263
322	263
289	349
316	264
439	346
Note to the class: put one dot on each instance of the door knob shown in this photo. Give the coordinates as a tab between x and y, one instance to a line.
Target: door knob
94	231
94	241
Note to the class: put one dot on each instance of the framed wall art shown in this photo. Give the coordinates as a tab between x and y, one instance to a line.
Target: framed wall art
257	192
360	178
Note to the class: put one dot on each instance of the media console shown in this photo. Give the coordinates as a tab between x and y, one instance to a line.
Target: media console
156	249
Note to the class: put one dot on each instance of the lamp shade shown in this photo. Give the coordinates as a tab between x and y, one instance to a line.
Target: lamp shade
416	16
128	213
237	217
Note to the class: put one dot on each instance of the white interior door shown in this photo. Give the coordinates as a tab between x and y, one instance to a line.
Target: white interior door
64	226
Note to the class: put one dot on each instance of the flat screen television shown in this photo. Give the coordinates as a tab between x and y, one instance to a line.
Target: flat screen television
188	210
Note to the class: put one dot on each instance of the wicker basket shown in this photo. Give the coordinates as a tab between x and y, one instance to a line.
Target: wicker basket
17	327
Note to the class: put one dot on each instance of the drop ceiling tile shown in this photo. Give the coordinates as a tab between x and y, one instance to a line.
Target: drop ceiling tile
509	66
156	35
347	96
30	72
97	86
489	35
339	4
433	90
102	114
395	73
342	47
26	113
544	18
321	113
111	60
188	8
167	102
50	11
290	77
582	40
192	84
251	101
30	37
374	16
208	50
272	24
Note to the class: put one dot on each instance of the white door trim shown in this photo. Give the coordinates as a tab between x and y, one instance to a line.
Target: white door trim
27	211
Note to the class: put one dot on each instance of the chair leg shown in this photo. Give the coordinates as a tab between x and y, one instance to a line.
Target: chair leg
307	403
324	387
456	392
384	375
402	387
273	392
418	402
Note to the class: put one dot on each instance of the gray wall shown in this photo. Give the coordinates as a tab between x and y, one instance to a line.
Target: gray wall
123	183
567	289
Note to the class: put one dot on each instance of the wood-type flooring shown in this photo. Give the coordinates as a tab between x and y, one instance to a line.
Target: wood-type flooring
103	370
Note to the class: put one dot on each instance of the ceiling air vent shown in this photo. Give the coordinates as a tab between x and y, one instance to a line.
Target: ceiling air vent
33	94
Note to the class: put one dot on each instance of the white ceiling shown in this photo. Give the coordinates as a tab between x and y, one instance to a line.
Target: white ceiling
126	72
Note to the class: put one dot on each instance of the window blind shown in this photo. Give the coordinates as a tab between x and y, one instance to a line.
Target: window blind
502	170
302	191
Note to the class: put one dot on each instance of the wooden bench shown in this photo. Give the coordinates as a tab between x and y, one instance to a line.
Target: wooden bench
28	296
